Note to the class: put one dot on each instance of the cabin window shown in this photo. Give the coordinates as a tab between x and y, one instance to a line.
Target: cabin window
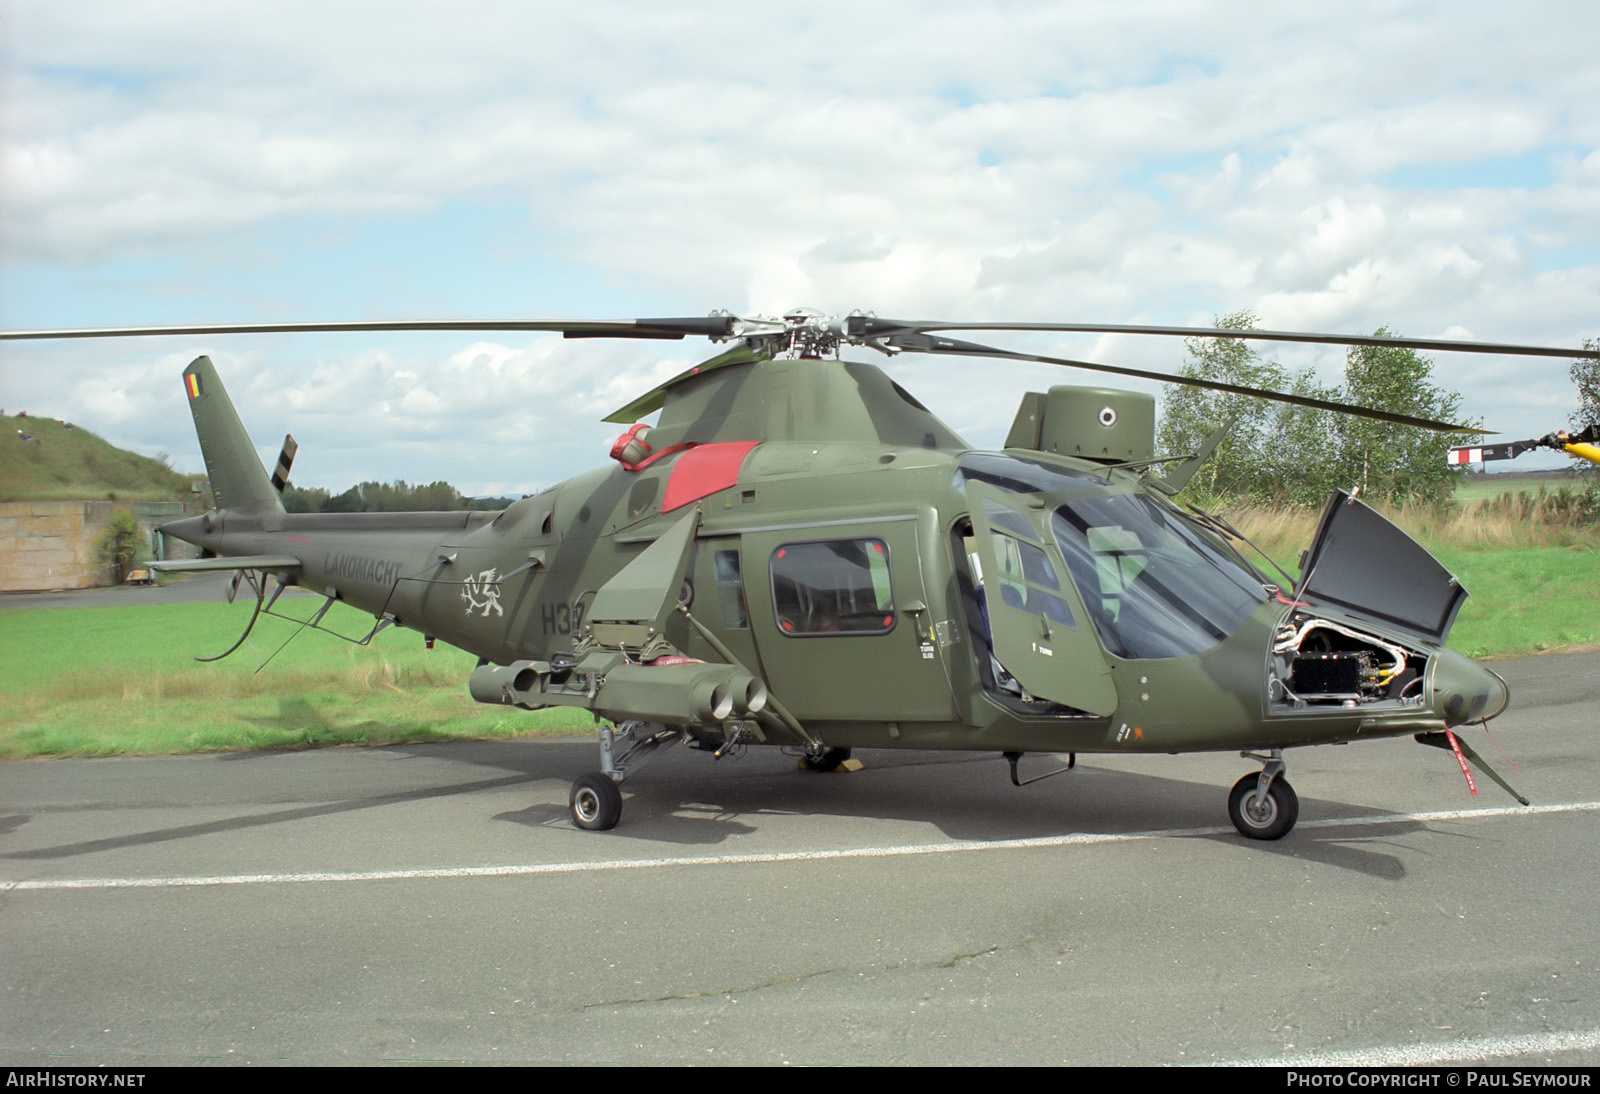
730	590
832	587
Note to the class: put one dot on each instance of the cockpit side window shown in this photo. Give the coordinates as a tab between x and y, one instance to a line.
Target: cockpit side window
1027	581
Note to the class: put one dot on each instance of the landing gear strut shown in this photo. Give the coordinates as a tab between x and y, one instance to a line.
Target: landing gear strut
596	798
1264	806
827	759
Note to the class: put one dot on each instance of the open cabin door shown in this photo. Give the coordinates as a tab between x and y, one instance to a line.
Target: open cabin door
1039	631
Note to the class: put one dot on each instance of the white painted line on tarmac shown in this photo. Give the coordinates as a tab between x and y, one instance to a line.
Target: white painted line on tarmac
953	847
1446	1052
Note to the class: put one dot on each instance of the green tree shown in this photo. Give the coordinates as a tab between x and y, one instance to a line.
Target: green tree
121	546
1298	458
296	500
1388	462
1190	414
1282	454
380	497
435	496
1586	375
347	502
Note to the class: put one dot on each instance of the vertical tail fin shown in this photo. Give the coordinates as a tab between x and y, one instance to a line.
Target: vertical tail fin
238	480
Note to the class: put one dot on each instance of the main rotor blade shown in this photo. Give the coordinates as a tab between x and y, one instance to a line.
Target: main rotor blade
724	326
921	343
709	326
869	327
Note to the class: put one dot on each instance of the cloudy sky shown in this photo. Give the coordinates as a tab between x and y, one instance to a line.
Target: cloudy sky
1430	167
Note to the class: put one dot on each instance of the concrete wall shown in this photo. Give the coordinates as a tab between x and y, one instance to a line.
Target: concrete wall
50	544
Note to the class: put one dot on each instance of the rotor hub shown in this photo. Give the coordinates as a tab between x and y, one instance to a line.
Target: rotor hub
800	332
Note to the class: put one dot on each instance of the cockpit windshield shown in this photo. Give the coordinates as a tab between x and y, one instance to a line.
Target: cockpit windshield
1154	585
1153	582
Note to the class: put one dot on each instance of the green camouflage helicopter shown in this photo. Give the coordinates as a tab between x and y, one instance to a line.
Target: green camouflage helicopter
798	553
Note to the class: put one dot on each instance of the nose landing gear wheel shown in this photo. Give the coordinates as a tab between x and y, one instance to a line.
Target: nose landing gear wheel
596	802
1270	818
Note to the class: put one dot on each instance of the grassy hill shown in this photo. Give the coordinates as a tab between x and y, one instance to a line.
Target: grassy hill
74	464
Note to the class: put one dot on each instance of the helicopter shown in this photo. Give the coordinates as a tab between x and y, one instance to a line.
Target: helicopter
1581	445
799	554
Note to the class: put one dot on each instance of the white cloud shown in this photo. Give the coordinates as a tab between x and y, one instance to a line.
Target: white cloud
1148	161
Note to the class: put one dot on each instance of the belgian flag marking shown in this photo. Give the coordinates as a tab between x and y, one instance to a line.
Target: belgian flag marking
191	380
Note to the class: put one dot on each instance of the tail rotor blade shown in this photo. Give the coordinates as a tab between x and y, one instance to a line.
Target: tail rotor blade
280	474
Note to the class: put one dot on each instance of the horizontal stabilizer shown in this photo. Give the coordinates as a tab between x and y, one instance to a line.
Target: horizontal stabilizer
239	562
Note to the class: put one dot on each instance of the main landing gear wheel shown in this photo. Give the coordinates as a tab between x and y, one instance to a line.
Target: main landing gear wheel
1270	818
829	760
596	802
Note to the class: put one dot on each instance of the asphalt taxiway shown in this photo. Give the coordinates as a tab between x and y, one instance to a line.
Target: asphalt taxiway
434	904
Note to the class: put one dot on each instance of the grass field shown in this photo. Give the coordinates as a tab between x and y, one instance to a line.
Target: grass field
104	681
1472	488
64	462
1525	546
